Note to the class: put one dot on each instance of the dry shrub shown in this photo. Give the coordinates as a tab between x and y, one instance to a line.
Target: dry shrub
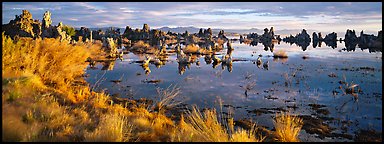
287	128
191	48
242	135
149	126
220	41
56	63
111	128
99	100
167	97
247	41
206	128
280	54
141	46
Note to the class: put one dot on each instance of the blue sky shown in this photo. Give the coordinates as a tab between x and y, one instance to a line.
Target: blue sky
321	16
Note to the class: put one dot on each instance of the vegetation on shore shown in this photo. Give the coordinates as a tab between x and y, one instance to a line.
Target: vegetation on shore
45	99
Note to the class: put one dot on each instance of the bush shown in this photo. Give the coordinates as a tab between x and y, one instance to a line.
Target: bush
56	63
280	54
287	128
69	30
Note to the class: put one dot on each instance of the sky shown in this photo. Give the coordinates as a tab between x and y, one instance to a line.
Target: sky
320	16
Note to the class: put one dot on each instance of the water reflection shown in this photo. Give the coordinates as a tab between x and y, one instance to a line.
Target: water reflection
225	60
108	65
332	44
350	46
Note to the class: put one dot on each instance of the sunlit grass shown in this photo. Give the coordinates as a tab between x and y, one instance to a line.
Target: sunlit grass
167	98
111	128
191	48
143	47
287	127
56	63
280	54
205	127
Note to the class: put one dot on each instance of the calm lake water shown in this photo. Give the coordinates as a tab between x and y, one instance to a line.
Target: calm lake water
294	84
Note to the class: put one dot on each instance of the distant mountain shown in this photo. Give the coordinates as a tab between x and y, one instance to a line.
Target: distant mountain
104	29
180	29
192	29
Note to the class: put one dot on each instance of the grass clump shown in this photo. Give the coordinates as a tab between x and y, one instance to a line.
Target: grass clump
167	98
287	128
191	48
205	127
280	54
56	63
143	47
112	128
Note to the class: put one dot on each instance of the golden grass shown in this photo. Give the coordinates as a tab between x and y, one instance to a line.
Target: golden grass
143	47
287	128
247	41
167	98
280	54
191	48
56	63
111	128
198	127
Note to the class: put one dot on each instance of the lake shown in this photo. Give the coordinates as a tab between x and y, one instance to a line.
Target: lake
307	83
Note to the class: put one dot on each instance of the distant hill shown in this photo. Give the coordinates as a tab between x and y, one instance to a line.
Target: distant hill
180	29
214	31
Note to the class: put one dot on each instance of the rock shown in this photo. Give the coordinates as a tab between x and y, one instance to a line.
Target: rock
84	32
185	34
303	36
128	33
371	42
46	20
278	38
23	25
350	40
201	34
208	33
331	37
59	32
252	36
146	28
98	35
229	45
271	33
331	40
320	37
315	39
350	36
221	35
90	37
302	39
111	47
